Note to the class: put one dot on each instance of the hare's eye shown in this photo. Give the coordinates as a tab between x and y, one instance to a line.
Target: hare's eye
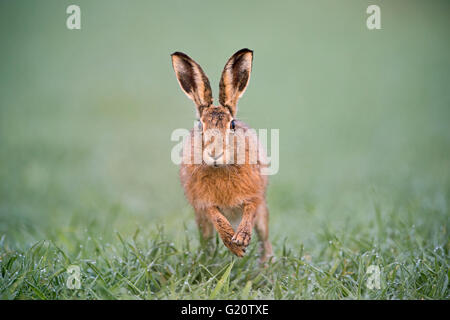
200	126
232	125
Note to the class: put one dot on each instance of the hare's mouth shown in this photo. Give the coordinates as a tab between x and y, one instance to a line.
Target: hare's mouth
217	165
213	160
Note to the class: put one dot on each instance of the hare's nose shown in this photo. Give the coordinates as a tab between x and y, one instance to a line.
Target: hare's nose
215	157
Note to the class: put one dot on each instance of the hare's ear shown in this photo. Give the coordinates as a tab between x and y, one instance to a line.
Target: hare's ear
192	80
235	78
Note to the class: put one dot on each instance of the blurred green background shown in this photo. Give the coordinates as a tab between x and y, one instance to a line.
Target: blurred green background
86	115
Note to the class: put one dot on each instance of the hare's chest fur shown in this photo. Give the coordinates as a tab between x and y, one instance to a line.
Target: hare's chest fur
224	187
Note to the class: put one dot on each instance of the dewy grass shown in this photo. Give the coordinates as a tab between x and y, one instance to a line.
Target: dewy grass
152	267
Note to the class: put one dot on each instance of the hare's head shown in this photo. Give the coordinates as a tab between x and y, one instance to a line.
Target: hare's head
215	122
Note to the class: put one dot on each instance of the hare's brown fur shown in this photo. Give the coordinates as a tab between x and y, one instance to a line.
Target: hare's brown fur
223	193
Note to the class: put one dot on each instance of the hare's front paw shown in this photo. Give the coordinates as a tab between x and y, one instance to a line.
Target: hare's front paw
237	250
242	237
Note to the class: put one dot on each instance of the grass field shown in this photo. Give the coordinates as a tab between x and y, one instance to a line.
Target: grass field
85	171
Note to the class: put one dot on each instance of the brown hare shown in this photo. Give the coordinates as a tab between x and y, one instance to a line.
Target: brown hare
219	186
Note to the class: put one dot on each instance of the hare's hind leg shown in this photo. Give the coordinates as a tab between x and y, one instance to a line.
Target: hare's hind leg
205	226
262	229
